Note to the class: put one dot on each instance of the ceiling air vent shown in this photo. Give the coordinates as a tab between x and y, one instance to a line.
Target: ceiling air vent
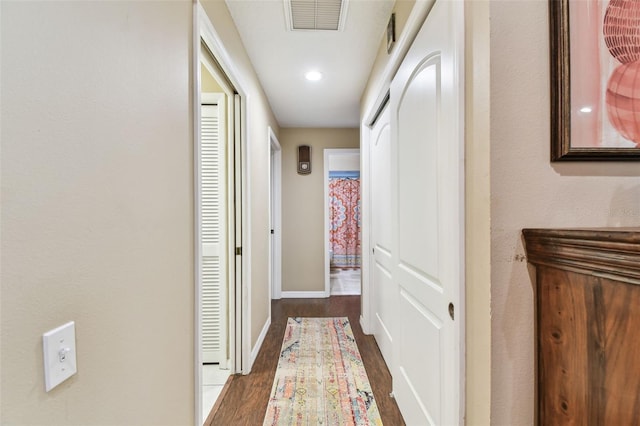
323	15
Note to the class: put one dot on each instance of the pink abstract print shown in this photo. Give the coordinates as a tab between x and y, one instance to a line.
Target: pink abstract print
622	36
605	73
344	206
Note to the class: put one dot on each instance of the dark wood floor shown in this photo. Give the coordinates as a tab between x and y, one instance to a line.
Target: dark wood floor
245	399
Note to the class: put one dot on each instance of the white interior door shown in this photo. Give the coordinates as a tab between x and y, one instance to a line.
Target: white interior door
427	163
213	169
384	288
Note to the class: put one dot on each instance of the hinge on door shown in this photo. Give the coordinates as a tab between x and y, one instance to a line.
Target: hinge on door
451	310
238	251
373	250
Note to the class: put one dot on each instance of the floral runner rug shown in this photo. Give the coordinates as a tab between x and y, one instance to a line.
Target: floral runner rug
320	378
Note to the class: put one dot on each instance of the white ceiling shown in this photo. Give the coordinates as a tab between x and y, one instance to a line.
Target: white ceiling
281	57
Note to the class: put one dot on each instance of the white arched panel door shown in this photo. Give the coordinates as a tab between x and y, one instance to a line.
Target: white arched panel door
384	288
428	220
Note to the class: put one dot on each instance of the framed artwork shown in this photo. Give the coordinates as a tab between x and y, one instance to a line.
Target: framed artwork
595	79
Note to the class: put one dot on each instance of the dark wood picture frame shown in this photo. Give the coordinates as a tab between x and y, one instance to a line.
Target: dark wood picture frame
561	148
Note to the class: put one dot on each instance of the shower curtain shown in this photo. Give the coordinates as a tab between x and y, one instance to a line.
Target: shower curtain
344	205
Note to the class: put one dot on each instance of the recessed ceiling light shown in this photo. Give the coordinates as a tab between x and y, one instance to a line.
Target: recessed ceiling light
585	109
313	75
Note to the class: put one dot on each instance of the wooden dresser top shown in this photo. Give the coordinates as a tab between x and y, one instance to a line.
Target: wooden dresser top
612	253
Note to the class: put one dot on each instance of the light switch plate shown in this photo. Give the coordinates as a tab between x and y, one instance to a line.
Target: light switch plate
59	347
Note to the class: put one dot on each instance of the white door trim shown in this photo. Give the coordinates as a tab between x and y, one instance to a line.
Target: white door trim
275	202
239	342
327	221
366	311
197	219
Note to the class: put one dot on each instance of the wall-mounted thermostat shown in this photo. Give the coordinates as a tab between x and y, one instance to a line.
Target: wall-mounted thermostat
304	159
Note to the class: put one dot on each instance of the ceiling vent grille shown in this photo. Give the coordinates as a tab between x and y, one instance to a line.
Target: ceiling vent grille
322	15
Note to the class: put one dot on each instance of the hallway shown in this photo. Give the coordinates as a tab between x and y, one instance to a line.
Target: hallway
245	400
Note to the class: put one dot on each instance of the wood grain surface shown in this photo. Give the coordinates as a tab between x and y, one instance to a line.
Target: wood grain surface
588	318
246	397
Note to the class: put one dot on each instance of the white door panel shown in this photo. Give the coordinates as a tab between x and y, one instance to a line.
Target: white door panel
426	141
418	114
419	361
214	229
384	288
380	179
385	291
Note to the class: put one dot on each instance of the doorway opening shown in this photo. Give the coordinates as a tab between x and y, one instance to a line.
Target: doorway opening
343	252
213	164
221	342
275	211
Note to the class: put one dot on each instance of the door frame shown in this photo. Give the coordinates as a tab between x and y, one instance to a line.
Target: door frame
327	220
239	312
275	219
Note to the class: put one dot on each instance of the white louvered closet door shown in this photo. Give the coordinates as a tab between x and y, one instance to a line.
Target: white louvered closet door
214	229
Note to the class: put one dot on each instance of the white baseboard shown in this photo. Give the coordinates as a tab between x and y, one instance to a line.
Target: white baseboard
256	348
304	294
365	326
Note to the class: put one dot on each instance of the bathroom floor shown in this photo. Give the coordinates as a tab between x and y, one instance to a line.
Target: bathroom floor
345	282
213	380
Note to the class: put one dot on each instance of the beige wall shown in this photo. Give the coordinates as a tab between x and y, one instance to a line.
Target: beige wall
209	83
303	205
97	208
402	9
259	117
529	191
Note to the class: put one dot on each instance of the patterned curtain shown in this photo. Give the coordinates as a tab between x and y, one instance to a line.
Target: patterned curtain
344	205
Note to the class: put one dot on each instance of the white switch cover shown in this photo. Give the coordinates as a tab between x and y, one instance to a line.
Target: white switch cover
59	347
